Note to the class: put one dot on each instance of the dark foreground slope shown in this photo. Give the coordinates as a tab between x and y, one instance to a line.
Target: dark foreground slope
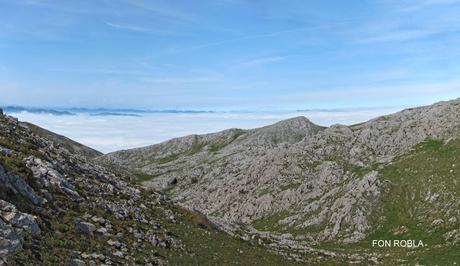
68	144
300	187
58	208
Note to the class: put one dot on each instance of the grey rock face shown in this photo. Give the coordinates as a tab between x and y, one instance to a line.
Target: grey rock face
19	186
17	219
13	225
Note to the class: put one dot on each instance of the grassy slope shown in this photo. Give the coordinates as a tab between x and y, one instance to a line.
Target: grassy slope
206	246
433	167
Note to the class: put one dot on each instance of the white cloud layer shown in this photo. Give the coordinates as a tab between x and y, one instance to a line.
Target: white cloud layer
111	133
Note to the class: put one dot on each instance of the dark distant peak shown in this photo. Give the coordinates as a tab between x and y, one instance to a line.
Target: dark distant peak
135	111
115	114
36	110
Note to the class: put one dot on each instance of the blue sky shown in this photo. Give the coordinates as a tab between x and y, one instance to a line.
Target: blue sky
229	54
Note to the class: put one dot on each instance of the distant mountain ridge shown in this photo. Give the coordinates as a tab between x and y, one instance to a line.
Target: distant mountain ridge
97	111
35	110
140	112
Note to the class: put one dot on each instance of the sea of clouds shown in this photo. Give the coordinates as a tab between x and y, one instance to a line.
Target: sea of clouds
111	133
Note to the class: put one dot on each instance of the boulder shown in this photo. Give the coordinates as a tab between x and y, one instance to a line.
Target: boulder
85	227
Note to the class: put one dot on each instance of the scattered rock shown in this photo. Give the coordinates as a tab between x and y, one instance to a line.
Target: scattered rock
118	254
153	240
437	222
5	151
102	231
114	243
173	181
49	177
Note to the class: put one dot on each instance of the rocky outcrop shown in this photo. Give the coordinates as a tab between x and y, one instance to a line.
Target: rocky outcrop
48	177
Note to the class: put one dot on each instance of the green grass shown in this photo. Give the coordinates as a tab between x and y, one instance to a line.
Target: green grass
207	246
167	159
195	149
270	223
141	177
411	179
432	167
216	147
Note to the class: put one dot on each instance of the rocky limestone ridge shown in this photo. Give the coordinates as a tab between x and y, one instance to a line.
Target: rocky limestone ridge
59	207
288	131
323	182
